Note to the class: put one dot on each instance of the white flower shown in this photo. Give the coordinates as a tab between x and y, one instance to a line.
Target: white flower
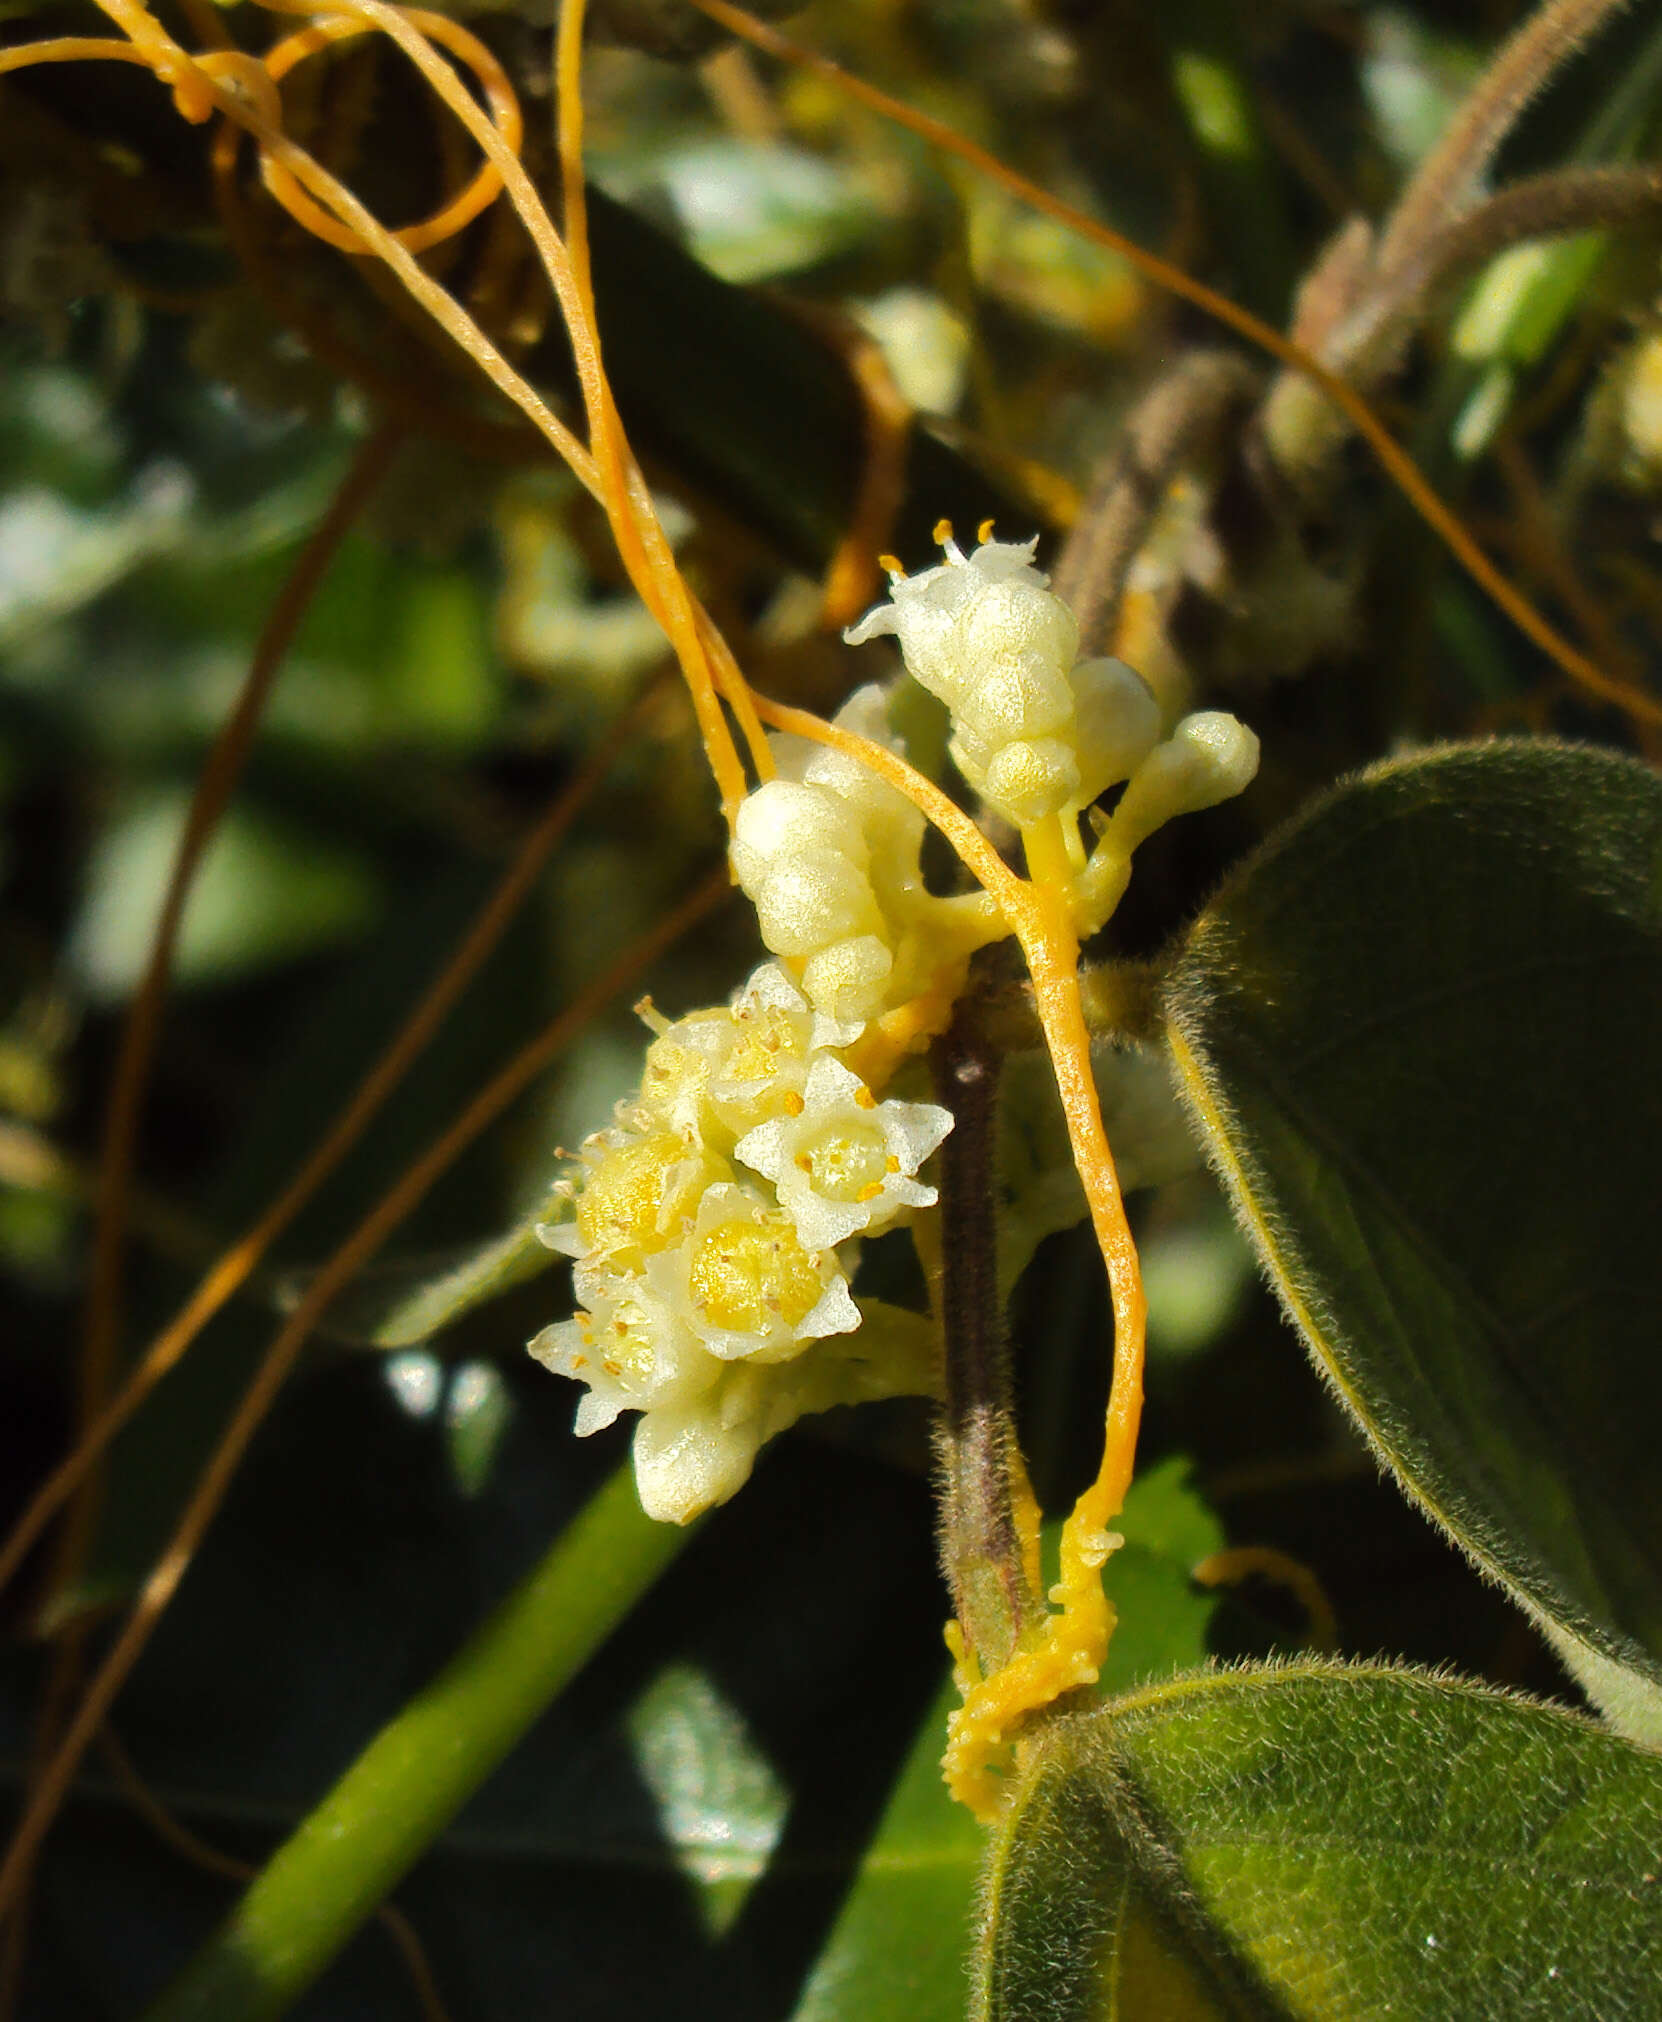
1117	720
640	1189
984	633
630	1351
845	1165
890	825
801	854
688	1461
932	614
690	1456
1209	757
715	1073
744	1284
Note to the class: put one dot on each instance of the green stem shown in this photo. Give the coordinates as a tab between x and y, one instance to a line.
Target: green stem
425	1763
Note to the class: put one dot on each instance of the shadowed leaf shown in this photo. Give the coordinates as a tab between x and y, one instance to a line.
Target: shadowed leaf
1419	1031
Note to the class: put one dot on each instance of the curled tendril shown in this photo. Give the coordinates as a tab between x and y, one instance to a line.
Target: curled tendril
467	204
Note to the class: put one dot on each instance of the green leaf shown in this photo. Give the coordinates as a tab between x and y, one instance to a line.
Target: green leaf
897	1952
760	412
1326	1842
750	210
1163	1615
1419	1029
266	894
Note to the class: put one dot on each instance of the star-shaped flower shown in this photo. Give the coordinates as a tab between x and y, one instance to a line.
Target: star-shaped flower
844	1164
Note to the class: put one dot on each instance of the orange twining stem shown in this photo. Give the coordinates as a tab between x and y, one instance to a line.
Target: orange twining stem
328	189
1397	464
1037	911
72	49
237	1263
604	466
618	483
636	526
1071	1644
463	208
157	1592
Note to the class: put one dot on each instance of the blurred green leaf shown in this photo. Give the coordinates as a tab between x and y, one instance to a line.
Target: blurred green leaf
399	1304
411	1780
1326	1842
897	1950
265	894
761	414
1477	934
1527	297
750	210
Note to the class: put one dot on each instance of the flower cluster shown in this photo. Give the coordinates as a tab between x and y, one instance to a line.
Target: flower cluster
714	1232
715	1226
828	854
1036	730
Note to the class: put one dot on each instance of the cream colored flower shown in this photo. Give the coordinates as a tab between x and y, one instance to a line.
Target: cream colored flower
746	1286
845	1165
690	1456
984	634
1035	731
1209	757
715	1074
801	855
891	827
629	1350
638	1192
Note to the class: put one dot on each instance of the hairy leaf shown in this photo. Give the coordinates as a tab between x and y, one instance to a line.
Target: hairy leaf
1326	1842
1419	1030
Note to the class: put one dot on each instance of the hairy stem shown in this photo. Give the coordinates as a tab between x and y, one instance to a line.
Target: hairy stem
1180	416
1447	177
985	1549
1537	207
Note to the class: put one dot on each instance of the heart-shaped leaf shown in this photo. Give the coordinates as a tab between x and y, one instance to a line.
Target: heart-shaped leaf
1419	1029
1326	1842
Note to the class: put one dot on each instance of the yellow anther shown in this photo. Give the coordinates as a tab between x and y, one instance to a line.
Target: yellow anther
943	532
620	1206
743	1272
794	1104
890	565
984	532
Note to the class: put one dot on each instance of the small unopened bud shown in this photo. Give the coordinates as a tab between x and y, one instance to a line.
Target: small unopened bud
1208	757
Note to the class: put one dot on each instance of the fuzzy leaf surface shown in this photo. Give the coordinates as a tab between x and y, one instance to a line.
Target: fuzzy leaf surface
1419	1031
1326	1842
